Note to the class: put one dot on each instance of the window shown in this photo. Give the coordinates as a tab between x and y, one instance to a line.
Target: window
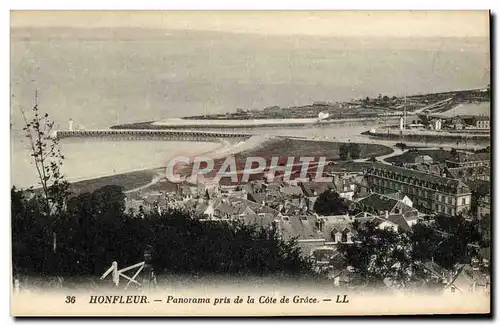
463	201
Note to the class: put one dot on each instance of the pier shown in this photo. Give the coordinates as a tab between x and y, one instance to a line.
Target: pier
135	134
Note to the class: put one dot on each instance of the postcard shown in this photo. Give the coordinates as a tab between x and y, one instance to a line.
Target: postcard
250	163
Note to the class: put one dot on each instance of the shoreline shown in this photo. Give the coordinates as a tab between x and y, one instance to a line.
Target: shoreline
365	109
427	135
181	123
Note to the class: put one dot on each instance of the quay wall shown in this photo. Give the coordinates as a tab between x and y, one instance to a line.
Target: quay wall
428	136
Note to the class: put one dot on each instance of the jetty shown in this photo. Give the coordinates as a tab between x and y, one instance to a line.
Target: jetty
149	134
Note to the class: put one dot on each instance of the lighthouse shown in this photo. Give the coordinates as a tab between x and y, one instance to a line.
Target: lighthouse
70	124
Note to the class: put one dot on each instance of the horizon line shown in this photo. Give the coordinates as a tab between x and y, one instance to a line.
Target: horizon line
241	32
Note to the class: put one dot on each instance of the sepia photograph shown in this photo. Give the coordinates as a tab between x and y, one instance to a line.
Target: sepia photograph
250	163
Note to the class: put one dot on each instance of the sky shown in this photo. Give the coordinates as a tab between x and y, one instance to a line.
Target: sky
320	23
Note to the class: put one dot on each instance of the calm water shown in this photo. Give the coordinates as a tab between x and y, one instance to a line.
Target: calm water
99	80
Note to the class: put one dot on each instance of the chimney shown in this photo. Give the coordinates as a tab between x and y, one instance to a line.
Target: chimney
320	225
365	214
386	215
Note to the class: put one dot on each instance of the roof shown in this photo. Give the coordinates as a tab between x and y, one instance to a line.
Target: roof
424	157
292	190
485	253
400	221
467	172
338	223
465	277
340	183
201	208
303	227
396	195
379	202
262	220
482	118
187	190
435	169
273	187
417	175
435	269
256	207
257	197
224	208
291	209
309	188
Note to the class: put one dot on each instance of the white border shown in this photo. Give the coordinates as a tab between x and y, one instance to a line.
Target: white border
186	4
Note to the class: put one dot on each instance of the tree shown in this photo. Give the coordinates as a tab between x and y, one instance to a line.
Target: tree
92	237
402	146
425	242
47	158
447	241
344	152
330	203
382	256
355	151
349	151
458	235
109	201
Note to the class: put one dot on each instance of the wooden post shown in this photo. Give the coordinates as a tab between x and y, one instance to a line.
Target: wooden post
54	242
116	275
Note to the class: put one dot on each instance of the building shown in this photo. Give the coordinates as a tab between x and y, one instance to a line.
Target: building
436	124
469	173
463	159
476	121
317	232
429	193
391	209
484	206
482	122
420	159
457	123
345	186
468	280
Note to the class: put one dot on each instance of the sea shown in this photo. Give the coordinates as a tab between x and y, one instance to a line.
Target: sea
103	77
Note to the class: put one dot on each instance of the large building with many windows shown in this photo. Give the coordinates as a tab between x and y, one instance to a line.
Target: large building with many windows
462	159
429	193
